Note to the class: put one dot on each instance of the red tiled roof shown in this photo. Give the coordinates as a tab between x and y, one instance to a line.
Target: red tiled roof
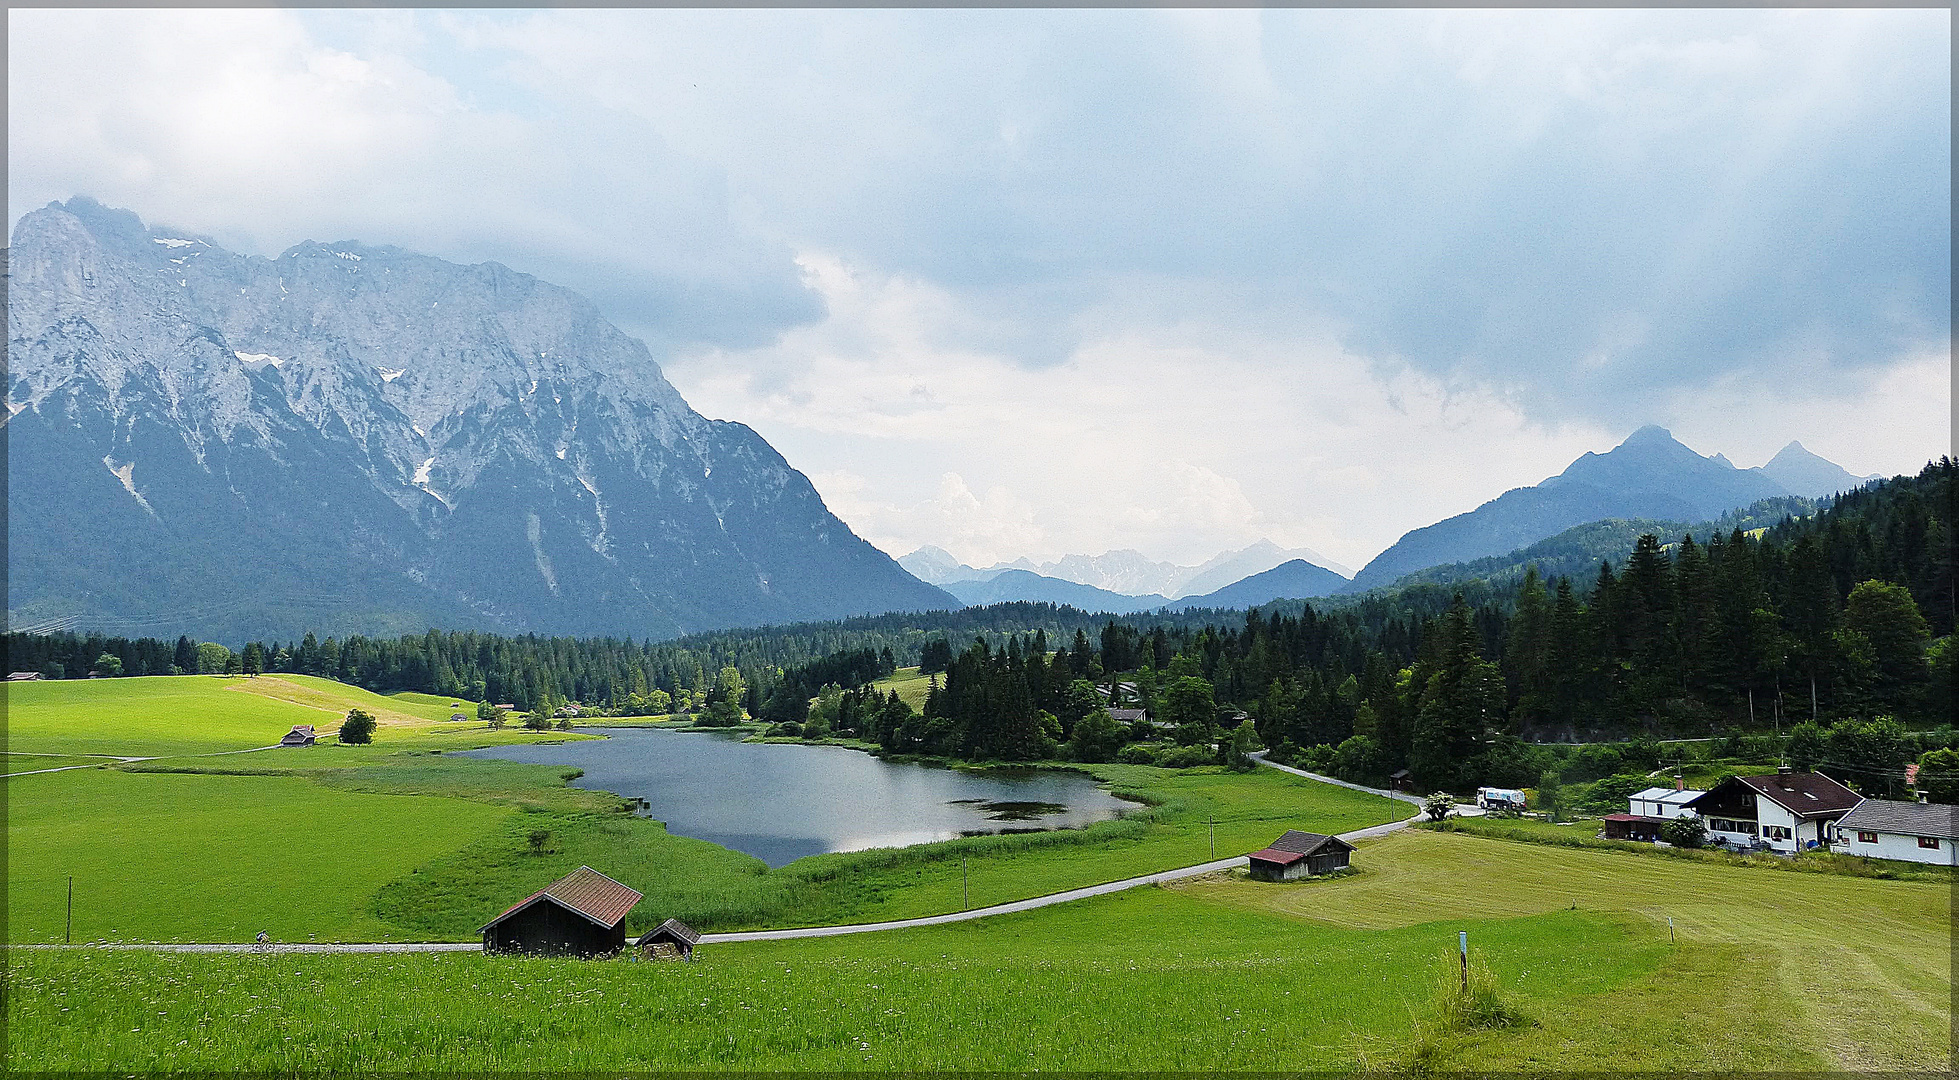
1274	855
585	891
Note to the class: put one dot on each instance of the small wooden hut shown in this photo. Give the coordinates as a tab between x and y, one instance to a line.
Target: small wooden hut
671	940
1298	854
300	735
580	914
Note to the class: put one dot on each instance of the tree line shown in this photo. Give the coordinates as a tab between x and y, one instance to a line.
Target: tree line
1843	614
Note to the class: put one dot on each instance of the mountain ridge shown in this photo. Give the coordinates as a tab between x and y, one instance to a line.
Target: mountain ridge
444	443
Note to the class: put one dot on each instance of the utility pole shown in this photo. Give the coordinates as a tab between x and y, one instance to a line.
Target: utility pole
965	882
1214	836
68	933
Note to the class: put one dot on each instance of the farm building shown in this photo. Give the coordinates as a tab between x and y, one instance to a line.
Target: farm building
1133	716
457	717
300	735
1663	803
1401	780
1909	832
580	914
1298	854
672	938
1787	811
23	676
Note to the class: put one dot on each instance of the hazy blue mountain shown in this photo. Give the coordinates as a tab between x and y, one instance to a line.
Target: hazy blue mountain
1008	585
1650	475
1293	580
352	438
938	567
1123	571
1804	473
1577	551
1235	566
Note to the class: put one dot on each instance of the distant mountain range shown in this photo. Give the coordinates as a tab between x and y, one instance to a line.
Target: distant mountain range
1650	475
359	439
1123	572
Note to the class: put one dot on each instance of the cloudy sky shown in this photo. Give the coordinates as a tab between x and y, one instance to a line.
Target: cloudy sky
1038	282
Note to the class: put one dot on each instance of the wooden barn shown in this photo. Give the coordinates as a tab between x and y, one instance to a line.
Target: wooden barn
580	914
300	735
1299	854
672	939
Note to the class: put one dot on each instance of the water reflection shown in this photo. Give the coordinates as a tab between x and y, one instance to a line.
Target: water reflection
781	802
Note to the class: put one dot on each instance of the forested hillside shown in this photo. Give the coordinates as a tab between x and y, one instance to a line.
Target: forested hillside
1846	613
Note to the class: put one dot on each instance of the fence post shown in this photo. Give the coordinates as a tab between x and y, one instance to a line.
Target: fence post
68	932
1462	943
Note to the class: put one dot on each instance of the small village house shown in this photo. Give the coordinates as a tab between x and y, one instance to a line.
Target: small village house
1908	832
580	914
1299	854
24	676
300	735
1647	811
672	939
1787	811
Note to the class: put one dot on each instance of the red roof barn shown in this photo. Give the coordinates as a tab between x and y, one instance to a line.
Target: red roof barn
1297	854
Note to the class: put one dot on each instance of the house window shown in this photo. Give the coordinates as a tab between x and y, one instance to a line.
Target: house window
1866	837
1776	832
1929	842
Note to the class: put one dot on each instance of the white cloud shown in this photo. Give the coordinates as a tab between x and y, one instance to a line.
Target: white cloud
1033	283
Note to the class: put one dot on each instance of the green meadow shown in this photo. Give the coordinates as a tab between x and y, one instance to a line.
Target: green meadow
459	833
1854	972
1764	970
910	685
1148	979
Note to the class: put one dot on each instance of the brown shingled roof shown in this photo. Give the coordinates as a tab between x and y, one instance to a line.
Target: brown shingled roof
1803	794
1305	843
1274	855
584	891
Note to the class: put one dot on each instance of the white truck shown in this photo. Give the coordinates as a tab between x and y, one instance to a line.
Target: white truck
1496	798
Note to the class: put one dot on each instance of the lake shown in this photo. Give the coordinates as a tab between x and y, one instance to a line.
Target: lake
782	801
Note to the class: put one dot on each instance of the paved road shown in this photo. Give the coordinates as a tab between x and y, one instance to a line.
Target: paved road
1461	810
852	928
112	759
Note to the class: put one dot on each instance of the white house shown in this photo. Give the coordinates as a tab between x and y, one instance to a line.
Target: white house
1788	811
1909	832
1663	803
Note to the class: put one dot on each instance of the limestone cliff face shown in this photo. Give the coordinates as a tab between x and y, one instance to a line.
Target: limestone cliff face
362	439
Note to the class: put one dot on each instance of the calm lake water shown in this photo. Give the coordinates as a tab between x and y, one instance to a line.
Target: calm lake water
782	801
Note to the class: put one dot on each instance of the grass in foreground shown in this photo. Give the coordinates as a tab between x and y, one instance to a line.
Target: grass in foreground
1147	979
1856	969
215	858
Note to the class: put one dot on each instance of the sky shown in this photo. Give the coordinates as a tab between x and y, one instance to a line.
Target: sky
1029	283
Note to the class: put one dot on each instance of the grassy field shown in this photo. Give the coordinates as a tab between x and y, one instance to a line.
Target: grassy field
215	858
1787	970
467	871
1143	980
152	716
13	763
910	685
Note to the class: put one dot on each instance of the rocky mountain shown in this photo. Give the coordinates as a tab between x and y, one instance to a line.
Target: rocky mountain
1294	580
350	438
1650	475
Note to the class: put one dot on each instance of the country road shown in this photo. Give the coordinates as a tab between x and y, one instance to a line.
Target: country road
1029	904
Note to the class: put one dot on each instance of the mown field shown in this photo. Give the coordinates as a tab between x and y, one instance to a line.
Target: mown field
141	839
1140	980
1788	971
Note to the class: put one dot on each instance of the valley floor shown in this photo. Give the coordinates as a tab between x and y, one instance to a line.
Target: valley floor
1769	970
